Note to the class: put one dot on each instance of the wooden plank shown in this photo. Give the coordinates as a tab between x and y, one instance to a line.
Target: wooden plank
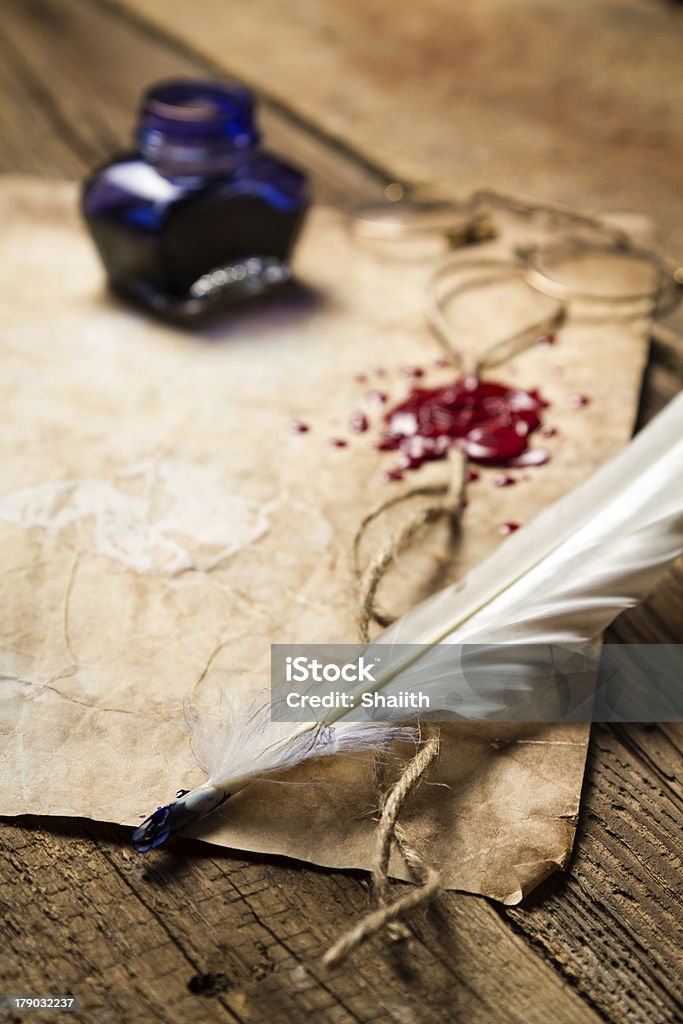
196	934
72	76
614	923
575	102
137	936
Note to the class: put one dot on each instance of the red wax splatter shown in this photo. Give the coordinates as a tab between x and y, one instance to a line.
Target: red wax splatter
412	371
490	422
442	363
360	378
358	421
504	480
337	442
297	427
379	371
546	339
471	476
578	401
549	431
391	476
376	397
506	528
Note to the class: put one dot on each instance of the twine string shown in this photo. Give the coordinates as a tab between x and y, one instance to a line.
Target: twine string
386	913
448	503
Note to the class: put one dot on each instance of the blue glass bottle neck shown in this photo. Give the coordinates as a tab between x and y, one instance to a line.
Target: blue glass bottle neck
202	127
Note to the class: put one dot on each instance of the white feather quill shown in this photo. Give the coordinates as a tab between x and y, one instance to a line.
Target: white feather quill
561	579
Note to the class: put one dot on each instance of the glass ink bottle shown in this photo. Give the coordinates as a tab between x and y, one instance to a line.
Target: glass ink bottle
198	215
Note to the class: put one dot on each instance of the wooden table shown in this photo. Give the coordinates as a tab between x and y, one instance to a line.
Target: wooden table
204	935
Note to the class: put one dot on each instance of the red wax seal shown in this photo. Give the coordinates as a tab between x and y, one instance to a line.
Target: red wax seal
490	422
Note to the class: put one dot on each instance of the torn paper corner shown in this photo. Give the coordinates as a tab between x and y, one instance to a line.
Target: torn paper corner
529	876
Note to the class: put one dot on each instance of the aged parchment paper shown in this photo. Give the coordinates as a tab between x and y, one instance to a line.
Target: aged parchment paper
161	526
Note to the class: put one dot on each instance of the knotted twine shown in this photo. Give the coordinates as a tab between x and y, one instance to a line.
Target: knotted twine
387	913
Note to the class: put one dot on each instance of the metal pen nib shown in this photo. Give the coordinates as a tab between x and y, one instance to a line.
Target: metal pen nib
188	806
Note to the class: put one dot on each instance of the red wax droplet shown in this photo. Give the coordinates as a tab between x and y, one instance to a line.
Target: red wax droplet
391	476
376	397
471	476
549	431
506	528
379	371
412	371
546	339
297	427
337	442
358	421
504	480
360	378
578	401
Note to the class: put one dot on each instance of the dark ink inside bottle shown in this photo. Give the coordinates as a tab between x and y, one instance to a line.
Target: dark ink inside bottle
199	215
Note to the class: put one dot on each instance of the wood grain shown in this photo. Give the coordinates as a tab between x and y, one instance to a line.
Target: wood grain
195	934
574	102
140	935
615	921
72	75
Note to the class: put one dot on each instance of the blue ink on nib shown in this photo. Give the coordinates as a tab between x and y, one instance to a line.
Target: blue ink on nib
187	807
198	216
154	831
